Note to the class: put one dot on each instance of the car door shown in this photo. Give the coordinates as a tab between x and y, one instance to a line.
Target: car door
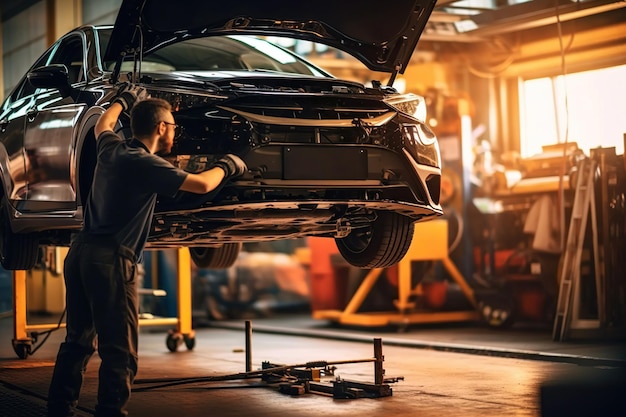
12	122
49	136
11	136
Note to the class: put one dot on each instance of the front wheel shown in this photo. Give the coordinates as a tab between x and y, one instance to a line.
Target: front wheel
384	243
215	258
18	251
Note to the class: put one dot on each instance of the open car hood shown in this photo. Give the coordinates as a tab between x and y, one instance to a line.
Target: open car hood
383	35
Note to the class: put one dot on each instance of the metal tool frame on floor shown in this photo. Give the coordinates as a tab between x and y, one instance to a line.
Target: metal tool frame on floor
297	379
182	333
432	248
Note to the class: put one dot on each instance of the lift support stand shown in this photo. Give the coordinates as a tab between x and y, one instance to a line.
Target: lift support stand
430	242
24	333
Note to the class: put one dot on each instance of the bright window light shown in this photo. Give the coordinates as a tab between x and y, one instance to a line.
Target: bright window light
585	107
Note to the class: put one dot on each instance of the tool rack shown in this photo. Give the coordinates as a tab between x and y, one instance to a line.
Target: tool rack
182	332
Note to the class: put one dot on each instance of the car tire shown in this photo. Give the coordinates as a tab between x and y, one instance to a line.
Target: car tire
381	245
18	251
215	258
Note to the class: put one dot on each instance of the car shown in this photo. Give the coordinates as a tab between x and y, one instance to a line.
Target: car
326	157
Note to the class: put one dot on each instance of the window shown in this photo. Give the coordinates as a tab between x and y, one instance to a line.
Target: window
70	53
585	107
25	88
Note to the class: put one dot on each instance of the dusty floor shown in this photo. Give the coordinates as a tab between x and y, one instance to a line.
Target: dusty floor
458	369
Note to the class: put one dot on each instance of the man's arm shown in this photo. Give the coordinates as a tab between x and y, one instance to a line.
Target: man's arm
228	166
203	182
126	97
108	119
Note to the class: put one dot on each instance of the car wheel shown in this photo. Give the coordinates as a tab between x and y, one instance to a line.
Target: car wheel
17	250
235	295
215	258
382	244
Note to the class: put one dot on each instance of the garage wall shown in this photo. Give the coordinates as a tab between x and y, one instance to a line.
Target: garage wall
23	41
99	12
490	71
27	34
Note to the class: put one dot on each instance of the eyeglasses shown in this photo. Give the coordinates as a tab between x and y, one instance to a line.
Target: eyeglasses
178	129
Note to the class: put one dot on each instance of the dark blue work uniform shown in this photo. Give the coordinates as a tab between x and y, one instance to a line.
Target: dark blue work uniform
100	274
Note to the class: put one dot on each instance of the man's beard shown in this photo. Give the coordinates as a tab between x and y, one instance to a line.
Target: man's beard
164	147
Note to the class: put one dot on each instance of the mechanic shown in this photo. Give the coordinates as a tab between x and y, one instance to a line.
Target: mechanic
101	265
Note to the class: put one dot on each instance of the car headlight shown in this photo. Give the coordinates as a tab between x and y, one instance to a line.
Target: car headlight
422	143
410	104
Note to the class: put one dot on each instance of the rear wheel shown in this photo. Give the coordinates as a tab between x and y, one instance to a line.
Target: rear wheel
17	250
215	258
384	243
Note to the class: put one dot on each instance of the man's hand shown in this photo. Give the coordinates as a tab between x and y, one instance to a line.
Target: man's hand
129	94
232	165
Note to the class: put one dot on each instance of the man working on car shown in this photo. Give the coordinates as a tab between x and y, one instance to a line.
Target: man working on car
100	267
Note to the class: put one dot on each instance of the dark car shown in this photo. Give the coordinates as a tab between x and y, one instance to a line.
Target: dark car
326	157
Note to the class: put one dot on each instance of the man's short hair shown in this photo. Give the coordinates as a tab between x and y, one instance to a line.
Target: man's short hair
146	115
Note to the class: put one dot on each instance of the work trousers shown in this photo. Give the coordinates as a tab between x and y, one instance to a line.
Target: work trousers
101	301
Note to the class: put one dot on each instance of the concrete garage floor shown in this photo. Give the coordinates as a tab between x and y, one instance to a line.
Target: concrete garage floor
454	369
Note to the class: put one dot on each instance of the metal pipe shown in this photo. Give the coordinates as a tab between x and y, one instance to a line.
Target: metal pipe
248	346
379	371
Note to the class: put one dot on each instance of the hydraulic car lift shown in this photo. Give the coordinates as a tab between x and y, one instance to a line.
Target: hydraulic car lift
25	334
430	242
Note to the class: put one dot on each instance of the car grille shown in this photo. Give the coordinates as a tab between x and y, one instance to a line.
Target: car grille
296	125
308	114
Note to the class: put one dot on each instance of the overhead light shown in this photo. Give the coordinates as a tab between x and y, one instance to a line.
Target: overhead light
465	25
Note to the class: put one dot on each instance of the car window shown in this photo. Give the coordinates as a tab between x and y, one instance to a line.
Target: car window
221	53
70	53
24	87
103	35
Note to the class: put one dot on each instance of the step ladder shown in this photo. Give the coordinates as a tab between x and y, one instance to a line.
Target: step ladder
567	315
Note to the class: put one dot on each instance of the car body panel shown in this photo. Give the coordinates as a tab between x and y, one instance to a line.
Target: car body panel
48	141
13	162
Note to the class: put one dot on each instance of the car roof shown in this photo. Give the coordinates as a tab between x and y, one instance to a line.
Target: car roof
383	36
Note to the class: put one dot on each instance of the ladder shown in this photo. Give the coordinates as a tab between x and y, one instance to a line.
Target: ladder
568	304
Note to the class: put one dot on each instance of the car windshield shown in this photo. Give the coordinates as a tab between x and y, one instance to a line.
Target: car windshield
218	53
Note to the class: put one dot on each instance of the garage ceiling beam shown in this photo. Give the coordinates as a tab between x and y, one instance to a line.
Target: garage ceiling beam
446	25
542	13
63	16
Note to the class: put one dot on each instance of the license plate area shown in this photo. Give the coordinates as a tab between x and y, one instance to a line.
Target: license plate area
324	163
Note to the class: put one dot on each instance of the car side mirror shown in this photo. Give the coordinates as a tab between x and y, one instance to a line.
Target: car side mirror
51	76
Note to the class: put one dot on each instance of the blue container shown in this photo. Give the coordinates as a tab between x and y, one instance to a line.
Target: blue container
167	280
6	290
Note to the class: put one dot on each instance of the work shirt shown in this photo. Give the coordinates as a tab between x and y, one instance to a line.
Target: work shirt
126	182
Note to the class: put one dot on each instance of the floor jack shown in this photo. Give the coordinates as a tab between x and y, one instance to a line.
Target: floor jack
297	379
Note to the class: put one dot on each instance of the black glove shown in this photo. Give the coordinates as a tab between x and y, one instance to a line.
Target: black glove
129	94
232	165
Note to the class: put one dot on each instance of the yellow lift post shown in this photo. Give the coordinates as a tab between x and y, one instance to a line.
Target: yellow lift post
181	333
430	242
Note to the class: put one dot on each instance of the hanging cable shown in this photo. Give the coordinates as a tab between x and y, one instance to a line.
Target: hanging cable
563	50
47	334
